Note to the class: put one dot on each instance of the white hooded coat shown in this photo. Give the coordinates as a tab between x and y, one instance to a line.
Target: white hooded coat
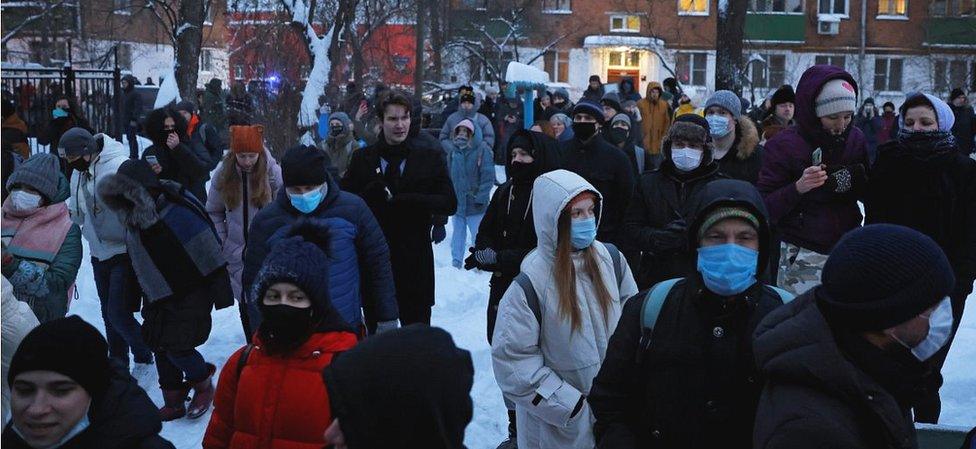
18	320
100	225
544	369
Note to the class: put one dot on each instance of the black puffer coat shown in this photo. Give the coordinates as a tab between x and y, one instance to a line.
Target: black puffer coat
607	168
691	382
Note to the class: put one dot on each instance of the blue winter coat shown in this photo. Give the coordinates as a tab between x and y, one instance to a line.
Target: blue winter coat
480	122
359	258
473	174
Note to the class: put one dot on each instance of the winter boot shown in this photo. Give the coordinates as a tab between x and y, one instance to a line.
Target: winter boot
174	403
512	441
203	394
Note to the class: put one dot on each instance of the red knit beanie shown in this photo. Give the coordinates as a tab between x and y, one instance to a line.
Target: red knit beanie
247	139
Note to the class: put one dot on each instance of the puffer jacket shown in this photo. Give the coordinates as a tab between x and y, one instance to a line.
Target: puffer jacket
231	223
100	225
744	159
18	320
655	119
544	366
275	402
473	174
480	121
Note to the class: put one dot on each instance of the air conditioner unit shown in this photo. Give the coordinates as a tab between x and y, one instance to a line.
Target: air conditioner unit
828	26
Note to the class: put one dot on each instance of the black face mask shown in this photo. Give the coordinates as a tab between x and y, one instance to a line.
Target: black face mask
617	136
336	130
79	164
285	327
584	130
521	171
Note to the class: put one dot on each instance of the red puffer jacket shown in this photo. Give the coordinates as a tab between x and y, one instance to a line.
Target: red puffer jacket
276	402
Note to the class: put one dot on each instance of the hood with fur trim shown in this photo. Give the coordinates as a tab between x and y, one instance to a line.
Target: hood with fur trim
132	202
747	137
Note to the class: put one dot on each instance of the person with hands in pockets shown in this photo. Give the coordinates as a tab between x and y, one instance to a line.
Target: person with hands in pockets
555	321
473	175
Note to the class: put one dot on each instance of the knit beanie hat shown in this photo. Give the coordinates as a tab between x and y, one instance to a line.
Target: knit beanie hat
836	96
299	261
943	113
595	78
139	171
77	142
587	106
611	99
42	172
956	93
466	123
521	140
695	119
784	94
303	166
725	99
722	213
882	275
186	105
67	346
620	117
247	139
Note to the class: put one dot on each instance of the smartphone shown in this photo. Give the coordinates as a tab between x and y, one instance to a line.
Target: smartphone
152	160
817	157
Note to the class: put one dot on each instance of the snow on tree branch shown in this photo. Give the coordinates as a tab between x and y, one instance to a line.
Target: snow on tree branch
318	77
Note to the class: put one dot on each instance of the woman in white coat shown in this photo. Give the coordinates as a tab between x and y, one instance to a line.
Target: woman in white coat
17	321
550	341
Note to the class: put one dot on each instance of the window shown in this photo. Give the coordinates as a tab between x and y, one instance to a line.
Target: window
771	74
557	6
774	6
949	75
121	6
238	71
887	74
836	61
125	57
837	7
206	60
625	24
693	7
557	65
952	8
624	59
892	7
691	68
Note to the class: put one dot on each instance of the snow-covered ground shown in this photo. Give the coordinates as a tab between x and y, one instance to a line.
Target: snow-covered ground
461	301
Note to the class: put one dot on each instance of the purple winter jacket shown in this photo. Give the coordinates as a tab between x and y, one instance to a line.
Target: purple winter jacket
815	220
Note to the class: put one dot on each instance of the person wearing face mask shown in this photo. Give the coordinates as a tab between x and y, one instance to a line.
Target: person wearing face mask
602	165
360	277
340	142
889	123
779	116
41	246
869	122
300	335
922	181
679	371
172	155
66	393
246	181
655	117
844	362
664	201
619	134
734	137
813	175
468	104
94	158
64	116
555	320
473	176
176	255
202	134
560	101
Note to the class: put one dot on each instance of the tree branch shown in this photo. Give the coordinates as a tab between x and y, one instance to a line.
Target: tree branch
13	33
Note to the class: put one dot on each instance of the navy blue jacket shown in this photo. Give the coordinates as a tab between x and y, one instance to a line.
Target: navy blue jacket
359	258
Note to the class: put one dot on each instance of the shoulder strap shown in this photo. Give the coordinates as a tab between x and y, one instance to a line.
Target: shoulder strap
243	360
531	297
784	295
654	302
617	268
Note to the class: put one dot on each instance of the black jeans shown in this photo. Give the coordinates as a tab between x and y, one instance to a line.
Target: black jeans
175	367
119	293
130	134
414	313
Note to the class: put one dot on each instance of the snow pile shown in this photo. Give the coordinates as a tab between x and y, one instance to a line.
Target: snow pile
524	73
168	92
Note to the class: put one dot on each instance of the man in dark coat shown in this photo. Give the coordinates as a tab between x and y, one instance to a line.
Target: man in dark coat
845	361
359	272
734	136
965	127
201	133
688	380
594	91
214	108
405	182
602	165
99	405
508	119
657	218
131	113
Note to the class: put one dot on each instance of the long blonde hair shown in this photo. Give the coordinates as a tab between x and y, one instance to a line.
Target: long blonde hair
229	182
564	273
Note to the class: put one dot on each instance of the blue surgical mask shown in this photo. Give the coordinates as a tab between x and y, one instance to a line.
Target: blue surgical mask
718	126
583	232
940	326
728	269
59	113
308	201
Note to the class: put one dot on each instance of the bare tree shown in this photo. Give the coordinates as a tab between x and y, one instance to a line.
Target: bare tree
183	21
728	52
317	48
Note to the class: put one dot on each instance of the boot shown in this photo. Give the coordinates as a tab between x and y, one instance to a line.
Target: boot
203	394
512	441
174	403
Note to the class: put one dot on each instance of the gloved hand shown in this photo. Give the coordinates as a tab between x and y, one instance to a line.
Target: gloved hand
675	235
843	179
483	259
384	326
438	234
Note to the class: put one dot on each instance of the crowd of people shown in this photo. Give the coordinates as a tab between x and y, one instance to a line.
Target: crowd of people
661	275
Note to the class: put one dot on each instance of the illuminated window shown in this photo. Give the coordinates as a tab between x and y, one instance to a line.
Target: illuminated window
625	24
624	59
892	7
693	7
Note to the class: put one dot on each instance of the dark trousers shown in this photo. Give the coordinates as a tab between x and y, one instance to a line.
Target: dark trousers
130	134
411	313
175	367
929	406
497	287
119	294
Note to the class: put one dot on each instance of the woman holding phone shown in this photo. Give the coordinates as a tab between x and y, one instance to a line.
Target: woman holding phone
172	155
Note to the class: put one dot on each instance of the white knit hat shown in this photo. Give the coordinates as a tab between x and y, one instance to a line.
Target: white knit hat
836	96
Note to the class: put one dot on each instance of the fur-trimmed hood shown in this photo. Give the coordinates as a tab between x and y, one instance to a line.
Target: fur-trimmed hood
747	137
130	200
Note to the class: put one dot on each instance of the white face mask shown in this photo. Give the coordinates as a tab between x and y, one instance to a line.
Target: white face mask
940	326
24	200
686	159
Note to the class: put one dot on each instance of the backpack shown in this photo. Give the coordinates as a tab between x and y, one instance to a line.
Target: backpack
532	297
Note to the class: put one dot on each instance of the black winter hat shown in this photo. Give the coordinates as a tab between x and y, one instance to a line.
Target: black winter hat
67	346
186	105
784	94
139	171
303	166
595	78
888	103
77	141
956	93
882	275
693	118
524	142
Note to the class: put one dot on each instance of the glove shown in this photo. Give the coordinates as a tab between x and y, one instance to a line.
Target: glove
438	234
844	178
674	235
486	257
384	326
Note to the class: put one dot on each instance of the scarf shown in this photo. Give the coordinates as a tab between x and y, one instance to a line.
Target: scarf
36	234
924	146
192	125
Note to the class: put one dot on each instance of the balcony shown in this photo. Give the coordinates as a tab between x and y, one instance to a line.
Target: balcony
784	28
950	31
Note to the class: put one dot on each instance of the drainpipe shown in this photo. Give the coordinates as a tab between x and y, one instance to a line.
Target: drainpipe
864	39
